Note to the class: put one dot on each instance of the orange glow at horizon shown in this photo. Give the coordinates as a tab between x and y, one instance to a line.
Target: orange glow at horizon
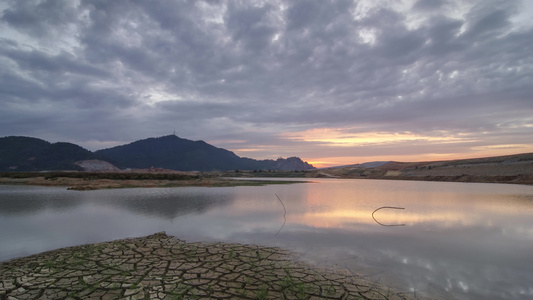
326	162
332	147
342	138
339	137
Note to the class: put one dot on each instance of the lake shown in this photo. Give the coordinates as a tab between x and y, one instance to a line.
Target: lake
449	240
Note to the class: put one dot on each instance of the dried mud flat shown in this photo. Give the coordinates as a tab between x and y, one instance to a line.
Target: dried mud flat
162	267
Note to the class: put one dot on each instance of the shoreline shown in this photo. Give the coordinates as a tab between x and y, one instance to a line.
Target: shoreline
84	184
82	181
159	266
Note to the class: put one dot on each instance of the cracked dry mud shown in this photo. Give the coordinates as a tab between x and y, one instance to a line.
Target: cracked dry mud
162	267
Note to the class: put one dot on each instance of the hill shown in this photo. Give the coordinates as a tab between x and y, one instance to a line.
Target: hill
18	153
169	152
172	152
499	169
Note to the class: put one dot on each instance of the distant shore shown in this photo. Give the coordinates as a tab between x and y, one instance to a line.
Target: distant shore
82	181
511	169
162	267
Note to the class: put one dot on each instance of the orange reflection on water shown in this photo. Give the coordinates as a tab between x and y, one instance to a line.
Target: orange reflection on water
348	218
333	203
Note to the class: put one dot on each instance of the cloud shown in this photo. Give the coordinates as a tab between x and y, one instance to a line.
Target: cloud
118	71
427	5
41	19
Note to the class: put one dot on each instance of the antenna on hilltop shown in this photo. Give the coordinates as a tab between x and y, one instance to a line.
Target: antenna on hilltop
174	131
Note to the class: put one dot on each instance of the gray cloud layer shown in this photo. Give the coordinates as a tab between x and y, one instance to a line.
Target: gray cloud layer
97	72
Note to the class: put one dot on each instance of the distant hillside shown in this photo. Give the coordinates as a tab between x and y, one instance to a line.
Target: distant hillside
19	153
498	169
168	152
172	152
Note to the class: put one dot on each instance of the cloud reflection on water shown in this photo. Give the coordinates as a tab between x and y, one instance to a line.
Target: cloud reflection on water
464	241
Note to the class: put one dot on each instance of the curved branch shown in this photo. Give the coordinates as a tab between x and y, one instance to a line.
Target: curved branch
387	225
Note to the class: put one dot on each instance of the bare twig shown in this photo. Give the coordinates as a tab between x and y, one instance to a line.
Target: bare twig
284	214
391	207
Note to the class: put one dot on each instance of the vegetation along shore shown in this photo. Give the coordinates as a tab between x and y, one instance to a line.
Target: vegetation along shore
106	180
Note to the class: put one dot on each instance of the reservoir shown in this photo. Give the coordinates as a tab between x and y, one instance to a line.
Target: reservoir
445	240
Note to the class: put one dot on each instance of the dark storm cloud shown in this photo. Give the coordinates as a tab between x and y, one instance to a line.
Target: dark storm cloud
125	70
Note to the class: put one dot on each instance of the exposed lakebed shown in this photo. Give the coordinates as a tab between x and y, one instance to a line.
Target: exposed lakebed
163	267
465	241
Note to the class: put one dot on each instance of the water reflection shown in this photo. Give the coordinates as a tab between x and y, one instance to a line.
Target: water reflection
163	203
465	241
30	199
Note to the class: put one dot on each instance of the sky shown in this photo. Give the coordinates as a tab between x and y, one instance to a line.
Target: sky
332	82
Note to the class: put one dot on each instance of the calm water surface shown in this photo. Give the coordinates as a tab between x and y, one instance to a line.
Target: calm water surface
456	240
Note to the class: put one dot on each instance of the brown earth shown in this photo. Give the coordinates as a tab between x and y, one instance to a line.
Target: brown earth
516	169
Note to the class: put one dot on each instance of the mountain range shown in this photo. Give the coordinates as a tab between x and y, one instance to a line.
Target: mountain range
19	153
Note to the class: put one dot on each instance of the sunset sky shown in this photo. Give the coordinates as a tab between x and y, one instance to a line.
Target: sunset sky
333	82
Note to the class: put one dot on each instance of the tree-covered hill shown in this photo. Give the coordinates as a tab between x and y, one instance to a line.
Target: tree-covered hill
168	152
18	153
172	152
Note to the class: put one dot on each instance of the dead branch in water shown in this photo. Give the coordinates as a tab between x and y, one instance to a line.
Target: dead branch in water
284	214
387	225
